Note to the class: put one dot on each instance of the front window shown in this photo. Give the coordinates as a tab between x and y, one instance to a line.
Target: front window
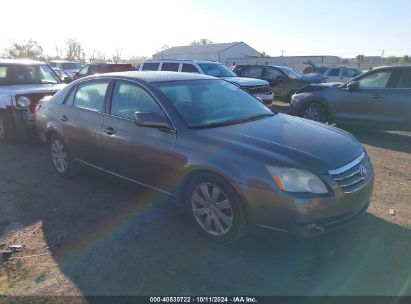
212	103
70	66
351	73
292	73
216	70
375	80
27	74
254	72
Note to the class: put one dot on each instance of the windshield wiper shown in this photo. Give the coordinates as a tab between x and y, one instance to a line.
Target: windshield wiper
232	122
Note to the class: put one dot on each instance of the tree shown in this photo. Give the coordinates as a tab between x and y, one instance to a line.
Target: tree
405	59
264	54
117	55
96	55
28	49
391	60
359	59
74	51
202	41
137	60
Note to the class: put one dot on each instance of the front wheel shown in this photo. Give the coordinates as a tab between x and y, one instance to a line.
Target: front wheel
215	208
7	131
314	111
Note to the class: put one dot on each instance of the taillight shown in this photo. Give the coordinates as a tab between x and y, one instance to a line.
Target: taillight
37	108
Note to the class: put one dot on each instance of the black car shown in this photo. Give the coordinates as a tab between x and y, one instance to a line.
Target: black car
102	68
284	80
220	153
380	98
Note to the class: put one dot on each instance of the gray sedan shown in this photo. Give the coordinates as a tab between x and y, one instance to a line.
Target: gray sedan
222	155
380	98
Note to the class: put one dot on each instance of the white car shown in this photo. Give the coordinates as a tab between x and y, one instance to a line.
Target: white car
340	74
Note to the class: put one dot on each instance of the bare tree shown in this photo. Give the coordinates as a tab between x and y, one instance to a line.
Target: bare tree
74	51
28	49
202	41
116	57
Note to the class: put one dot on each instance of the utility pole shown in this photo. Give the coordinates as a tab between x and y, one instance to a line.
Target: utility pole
282	53
382	54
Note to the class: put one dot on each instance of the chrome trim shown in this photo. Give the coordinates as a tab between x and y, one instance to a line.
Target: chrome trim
348	166
271	228
123	177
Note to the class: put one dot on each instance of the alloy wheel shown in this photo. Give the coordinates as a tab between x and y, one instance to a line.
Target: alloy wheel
312	114
212	209
59	156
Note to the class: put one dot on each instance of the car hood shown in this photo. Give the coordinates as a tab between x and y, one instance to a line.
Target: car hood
246	82
32	88
285	140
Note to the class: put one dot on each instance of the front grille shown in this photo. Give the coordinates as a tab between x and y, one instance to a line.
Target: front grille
35	98
258	89
354	175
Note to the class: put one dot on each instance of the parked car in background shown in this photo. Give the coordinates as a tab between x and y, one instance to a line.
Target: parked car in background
69	67
102	68
22	84
259	88
340	74
63	75
380	98
224	156
283	80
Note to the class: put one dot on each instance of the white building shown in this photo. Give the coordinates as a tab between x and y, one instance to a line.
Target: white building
216	52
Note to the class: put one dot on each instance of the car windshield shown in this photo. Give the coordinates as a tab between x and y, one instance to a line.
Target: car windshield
216	70
212	103
292	73
70	66
27	74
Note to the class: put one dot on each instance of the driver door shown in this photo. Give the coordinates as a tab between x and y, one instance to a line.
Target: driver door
363	106
144	155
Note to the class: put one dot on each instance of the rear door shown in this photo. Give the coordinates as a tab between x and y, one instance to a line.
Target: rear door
81	119
395	108
142	154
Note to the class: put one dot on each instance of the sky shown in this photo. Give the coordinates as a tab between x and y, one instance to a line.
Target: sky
141	28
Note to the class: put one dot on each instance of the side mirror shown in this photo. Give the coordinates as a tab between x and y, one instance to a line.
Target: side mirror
353	85
152	120
66	79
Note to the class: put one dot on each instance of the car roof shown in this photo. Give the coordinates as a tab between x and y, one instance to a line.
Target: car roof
63	61
109	63
21	61
154	76
180	60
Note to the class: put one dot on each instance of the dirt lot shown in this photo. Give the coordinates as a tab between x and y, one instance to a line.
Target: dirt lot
93	236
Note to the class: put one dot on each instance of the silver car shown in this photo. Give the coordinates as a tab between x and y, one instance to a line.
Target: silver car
22	84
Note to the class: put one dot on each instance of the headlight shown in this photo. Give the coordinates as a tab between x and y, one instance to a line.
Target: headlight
23	101
295	180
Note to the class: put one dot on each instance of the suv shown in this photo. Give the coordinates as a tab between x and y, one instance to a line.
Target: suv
22	84
340	74
258	88
284	80
380	98
102	68
70	67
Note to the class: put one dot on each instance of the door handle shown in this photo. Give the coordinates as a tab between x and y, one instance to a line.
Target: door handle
109	131
376	96
63	118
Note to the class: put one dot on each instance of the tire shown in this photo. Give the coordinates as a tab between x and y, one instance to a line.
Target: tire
7	130
314	111
60	157
214	208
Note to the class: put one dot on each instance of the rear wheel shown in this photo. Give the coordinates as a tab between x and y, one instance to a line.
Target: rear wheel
314	111
7	130
60	157
215	208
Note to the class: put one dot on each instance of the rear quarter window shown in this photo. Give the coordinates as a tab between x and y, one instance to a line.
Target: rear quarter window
150	66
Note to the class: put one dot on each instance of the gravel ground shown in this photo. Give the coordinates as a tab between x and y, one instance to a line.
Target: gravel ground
94	236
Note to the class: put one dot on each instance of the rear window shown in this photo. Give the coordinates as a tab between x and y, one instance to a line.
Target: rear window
116	68
172	67
150	66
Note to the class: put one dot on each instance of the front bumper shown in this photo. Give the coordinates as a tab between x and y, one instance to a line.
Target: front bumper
267	98
302	213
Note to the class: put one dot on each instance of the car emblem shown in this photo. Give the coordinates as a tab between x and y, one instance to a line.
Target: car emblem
363	171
